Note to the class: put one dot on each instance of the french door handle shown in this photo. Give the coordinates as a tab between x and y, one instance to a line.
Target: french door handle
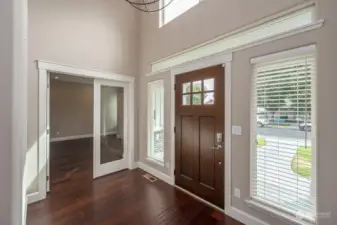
217	147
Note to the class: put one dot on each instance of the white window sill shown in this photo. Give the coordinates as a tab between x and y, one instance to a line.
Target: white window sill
278	213
155	161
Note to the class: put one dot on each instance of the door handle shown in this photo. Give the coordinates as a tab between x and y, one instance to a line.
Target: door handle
217	147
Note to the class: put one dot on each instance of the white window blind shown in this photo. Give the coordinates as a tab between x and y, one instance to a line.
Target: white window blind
282	173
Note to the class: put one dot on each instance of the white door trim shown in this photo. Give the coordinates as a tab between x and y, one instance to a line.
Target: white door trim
44	68
110	167
219	59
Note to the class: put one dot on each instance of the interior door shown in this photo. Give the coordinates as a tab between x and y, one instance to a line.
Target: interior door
110	154
199	133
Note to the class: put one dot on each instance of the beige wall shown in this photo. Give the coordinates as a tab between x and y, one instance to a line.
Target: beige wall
212	18
71	109
13	113
98	34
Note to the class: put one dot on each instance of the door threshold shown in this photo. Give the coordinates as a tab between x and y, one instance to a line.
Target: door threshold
200	199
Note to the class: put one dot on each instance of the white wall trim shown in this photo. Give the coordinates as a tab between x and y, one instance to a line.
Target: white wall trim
162	176
284	54
262	21
44	68
228	134
71	137
75	71
208	61
242	35
81	136
35	197
243	217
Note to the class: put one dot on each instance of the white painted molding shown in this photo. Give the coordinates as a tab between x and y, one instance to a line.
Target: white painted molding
284	54
160	175
204	62
233	42
228	134
75	71
277	213
78	137
243	217
298	7
71	137
35	197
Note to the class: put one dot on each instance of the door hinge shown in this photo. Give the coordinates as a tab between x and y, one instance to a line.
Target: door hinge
174	129
47	178
175	87
47	131
174	172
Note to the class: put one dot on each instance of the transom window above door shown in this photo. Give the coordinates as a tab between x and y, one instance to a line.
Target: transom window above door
174	8
199	92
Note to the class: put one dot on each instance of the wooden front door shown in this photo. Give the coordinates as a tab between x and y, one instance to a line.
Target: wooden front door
199	133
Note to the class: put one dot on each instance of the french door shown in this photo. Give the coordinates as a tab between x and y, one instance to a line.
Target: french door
110	146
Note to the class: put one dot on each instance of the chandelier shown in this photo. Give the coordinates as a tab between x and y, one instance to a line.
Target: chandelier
149	5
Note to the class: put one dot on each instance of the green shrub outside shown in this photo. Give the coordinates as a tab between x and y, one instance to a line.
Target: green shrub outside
301	162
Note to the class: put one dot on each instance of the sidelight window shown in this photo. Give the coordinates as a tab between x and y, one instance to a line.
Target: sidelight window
156	120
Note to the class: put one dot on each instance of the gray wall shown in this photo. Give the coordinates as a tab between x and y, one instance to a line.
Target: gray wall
13	114
71	109
98	34
212	18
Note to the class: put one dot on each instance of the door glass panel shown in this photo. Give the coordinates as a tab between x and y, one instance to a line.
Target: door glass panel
208	98
112	101
209	84
196	99
186	87
187	99
197	86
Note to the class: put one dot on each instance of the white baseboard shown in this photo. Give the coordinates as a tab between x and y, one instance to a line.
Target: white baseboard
77	137
160	175
71	137
35	197
243	217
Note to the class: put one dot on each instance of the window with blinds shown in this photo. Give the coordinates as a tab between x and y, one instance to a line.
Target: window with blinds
282	173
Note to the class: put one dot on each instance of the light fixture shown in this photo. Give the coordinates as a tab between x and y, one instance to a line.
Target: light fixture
149	5
56	77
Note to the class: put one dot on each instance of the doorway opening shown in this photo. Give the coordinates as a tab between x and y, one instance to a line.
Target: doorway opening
72	128
93	135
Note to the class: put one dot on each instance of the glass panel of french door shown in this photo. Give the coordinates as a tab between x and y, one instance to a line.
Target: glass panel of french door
109	152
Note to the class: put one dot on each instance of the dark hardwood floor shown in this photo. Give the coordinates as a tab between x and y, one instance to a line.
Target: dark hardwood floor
123	198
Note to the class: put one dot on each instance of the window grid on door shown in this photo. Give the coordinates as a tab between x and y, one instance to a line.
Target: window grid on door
199	92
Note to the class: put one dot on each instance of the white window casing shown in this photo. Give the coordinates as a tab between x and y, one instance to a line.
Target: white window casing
283	138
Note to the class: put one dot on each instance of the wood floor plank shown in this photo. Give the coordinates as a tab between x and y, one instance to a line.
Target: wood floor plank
123	198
